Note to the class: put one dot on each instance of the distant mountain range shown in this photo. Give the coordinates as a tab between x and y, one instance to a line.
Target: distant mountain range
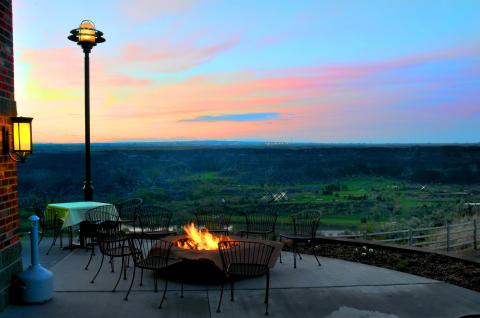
232	143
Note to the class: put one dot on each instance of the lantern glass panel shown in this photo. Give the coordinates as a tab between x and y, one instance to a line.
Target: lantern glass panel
22	137
86	32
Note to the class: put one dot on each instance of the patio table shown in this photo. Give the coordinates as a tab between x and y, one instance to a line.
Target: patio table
72	213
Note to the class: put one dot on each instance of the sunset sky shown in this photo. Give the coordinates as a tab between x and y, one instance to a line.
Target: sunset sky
295	71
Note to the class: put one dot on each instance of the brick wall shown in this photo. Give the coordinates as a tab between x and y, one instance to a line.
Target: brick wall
10	249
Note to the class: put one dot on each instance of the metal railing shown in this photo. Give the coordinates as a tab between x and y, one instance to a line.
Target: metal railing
443	238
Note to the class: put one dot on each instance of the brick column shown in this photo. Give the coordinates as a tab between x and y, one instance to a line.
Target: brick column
10	248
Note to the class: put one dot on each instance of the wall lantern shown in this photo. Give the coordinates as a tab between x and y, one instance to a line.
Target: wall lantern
22	139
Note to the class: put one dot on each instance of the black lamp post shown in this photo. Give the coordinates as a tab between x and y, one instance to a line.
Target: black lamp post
87	37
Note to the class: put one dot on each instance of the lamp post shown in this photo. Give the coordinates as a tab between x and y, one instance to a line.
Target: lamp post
87	37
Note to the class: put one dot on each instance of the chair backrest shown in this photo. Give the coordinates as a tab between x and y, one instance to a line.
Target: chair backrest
100	219
128	209
40	213
153	218
110	237
101	214
263	219
245	253
150	252
306	223
213	218
49	218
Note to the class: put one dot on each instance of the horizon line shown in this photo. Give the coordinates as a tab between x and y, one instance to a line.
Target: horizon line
265	142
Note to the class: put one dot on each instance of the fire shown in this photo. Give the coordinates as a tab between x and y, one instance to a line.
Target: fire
200	239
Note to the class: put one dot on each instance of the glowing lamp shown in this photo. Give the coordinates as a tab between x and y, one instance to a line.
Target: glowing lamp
22	134
86	35
22	139
86	32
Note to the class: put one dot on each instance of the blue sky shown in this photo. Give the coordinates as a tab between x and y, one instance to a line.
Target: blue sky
321	71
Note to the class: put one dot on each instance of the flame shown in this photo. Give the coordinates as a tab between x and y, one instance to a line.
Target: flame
200	239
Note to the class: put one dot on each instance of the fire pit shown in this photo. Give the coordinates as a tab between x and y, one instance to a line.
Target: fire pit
201	260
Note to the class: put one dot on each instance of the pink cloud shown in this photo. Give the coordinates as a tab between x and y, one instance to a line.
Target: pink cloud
62	68
318	103
173	57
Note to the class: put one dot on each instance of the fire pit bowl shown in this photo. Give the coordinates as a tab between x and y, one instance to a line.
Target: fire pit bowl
205	266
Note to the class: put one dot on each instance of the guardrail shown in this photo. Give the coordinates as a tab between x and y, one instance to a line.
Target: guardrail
444	238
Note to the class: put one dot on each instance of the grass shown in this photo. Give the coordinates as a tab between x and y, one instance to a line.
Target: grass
205	176
360	202
341	220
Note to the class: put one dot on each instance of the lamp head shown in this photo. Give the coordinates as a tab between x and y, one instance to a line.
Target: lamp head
22	138
86	35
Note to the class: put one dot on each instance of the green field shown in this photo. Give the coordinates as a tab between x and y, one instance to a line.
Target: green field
353	204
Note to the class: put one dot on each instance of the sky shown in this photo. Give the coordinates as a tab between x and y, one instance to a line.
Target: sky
338	71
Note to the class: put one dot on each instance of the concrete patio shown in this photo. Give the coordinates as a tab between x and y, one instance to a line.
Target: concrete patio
336	289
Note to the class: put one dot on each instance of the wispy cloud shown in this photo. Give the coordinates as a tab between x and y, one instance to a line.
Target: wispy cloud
411	97
236	117
172	57
142	10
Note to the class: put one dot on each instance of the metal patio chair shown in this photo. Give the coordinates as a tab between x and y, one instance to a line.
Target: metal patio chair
155	221
245	259
260	223
94	218
305	225
50	223
151	253
113	243
128	210
216	219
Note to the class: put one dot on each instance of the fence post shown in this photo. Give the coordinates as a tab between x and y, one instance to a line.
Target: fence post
448	237
365	234
410	237
475	233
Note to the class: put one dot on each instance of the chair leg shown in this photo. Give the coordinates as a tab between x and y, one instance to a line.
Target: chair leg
119	274
98	271
111	264
55	235
266	292
181	291
131	284
231	289
164	292
41	237
220	301
155	280
125	268
294	255
280	251
70	237
91	256
141	278
315	254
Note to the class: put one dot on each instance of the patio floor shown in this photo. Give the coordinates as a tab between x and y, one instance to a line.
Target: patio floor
336	289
